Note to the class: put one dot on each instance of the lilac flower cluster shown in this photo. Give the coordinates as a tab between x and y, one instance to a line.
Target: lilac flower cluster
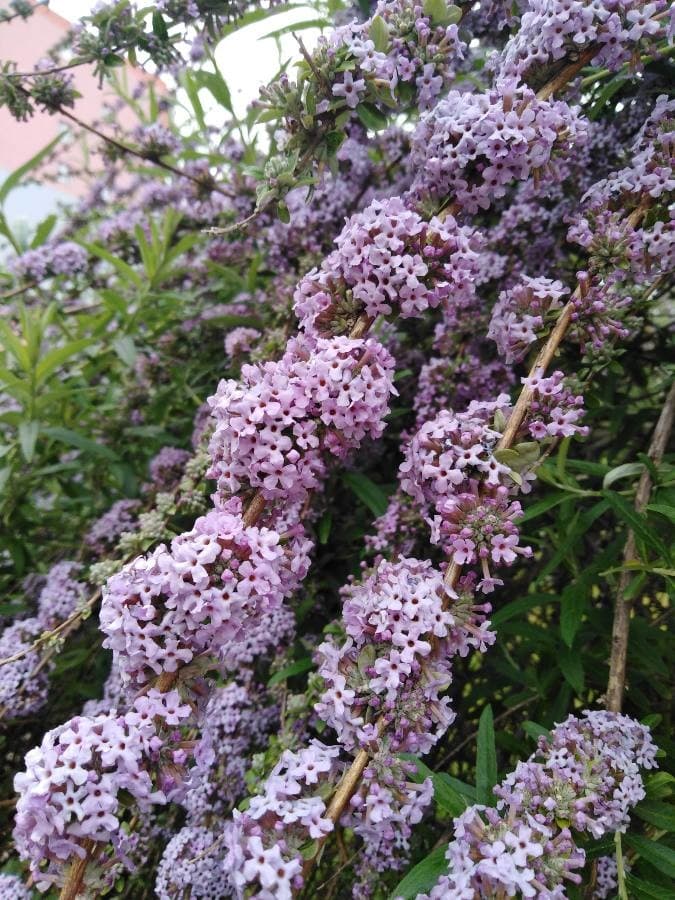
649	179
400	55
178	602
273	427
450	469
105	531
471	147
167	468
387	258
554	410
518	315
51	259
156	140
241	340
24	683
400	44
12	888
265	843
192	866
61	595
586	774
70	791
237	720
455	380
385	667
553	32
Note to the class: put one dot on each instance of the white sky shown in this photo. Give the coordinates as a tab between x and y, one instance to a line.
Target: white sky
245	60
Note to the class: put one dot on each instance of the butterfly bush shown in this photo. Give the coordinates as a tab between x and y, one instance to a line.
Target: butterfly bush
517	318
387	259
192	865
400	57
587	774
264	843
384	668
12	888
471	147
70	791
552	32
192	597
51	259
275	427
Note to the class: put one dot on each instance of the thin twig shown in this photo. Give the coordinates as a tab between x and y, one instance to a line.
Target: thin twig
616	683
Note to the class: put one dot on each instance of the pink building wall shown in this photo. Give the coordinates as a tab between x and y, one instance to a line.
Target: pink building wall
27	41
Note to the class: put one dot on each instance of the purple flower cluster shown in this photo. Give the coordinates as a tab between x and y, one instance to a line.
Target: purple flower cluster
52	258
554	410
192	866
411	49
455	380
274	427
24	683
586	774
105	531
61	595
471	147
556	31
388	258
178	602
167	468
264	844
12	888
518	315
385	667
241	340
451	470
237	721
70	791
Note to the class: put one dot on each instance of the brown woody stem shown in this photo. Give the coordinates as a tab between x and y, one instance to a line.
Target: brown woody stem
616	683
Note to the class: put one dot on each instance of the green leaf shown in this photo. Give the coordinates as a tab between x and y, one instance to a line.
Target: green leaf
295	668
43	230
123	269
217	86
645	890
55	358
569	662
125	348
74	439
369	493
324	526
423	876
28	434
657	813
371	117
486	759
623	471
441	13
662	510
542	506
17	175
379	33
159	26
573	605
534	730
637	522
656	854
584	523
520	606
659	785
446	795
